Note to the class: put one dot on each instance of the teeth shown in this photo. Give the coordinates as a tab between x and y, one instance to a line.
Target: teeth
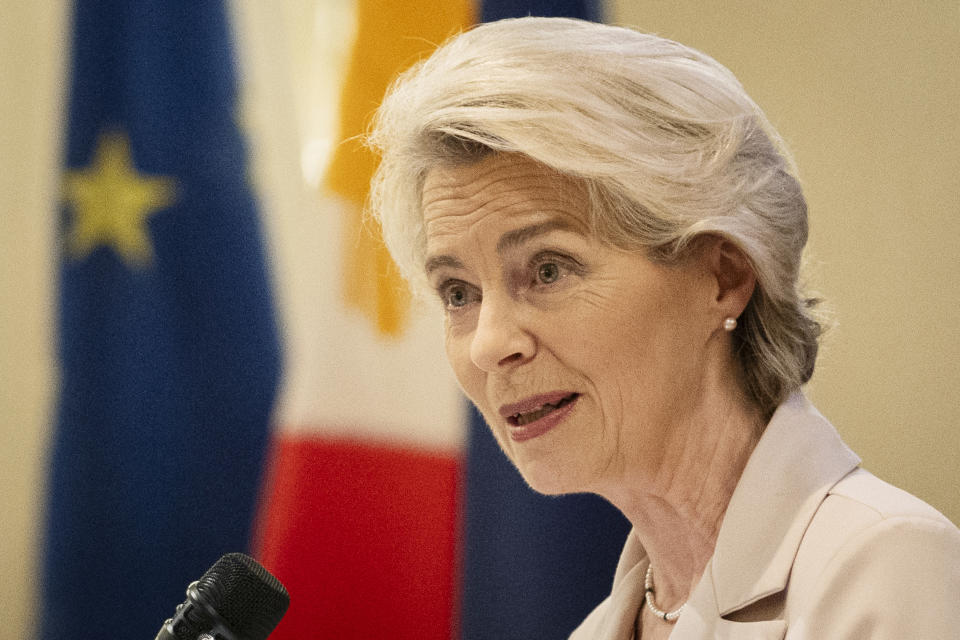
527	418
532	416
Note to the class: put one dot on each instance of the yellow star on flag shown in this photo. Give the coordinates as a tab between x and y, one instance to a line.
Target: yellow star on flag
111	202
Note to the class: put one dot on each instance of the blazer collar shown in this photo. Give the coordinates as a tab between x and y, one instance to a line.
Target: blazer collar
628	592
796	462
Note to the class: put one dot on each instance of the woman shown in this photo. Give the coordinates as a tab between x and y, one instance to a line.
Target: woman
615	234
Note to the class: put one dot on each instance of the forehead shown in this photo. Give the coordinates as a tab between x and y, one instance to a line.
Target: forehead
510	185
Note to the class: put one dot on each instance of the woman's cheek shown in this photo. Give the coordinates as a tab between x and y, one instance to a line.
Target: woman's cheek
457	346
459	323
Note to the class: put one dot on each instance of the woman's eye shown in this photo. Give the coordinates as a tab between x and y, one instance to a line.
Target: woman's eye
548	269
548	273
456	295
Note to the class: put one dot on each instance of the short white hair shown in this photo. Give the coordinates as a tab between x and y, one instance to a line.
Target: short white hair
665	140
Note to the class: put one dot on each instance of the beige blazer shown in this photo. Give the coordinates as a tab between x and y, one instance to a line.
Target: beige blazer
811	547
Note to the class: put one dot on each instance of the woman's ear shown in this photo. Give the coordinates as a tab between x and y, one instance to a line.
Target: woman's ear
733	274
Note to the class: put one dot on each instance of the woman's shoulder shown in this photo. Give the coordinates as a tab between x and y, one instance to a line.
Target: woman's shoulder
863	513
875	557
862	488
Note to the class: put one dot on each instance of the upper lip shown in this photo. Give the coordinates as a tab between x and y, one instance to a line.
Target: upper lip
532	403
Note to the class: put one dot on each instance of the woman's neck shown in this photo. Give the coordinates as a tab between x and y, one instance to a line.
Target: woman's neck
677	509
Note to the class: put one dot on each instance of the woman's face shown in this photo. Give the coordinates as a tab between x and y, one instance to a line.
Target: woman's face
581	357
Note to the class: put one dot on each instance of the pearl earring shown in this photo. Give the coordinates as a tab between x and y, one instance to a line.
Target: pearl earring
729	324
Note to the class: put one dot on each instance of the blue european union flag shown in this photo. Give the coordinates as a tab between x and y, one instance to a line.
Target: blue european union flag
168	346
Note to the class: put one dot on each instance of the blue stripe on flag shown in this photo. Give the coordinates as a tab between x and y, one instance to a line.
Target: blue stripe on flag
168	345
499	9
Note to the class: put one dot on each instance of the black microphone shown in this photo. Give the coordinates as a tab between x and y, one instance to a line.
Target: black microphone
236	599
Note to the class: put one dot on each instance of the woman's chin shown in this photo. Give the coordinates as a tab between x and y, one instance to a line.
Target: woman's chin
550	480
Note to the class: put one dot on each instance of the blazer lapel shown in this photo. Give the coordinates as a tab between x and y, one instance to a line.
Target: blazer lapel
762	630
628	593
700	619
798	459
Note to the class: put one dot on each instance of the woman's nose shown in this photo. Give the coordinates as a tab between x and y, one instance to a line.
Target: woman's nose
500	340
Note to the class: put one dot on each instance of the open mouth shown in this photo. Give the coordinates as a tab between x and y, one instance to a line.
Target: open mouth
521	419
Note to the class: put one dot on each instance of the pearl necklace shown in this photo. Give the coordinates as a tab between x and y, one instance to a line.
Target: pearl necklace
669	616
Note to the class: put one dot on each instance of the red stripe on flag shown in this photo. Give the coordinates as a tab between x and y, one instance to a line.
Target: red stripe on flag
364	537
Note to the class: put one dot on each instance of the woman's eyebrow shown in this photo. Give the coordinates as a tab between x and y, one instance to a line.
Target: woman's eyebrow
508	240
517	237
437	262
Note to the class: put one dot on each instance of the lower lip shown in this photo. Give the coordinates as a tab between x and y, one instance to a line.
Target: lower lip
521	433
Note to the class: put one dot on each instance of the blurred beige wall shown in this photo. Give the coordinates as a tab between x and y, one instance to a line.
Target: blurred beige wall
867	95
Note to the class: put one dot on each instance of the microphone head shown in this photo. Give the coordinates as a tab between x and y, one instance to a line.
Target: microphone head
247	597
